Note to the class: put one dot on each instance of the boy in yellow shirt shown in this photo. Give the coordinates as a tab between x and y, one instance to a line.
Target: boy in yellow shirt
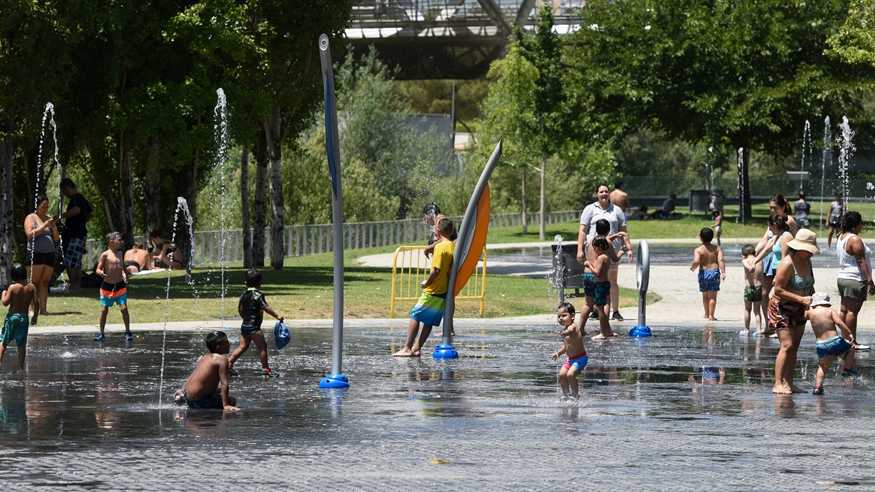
429	310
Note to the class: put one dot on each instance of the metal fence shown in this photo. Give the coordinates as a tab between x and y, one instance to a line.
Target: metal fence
301	240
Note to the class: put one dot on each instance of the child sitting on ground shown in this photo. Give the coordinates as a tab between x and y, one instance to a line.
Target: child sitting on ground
113	286
829	343
252	306
572	336
207	387
708	258
429	309
18	297
753	287
597	287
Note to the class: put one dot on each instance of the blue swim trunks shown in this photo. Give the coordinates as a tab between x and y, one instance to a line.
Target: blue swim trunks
709	280
599	291
578	363
836	346
429	310
15	328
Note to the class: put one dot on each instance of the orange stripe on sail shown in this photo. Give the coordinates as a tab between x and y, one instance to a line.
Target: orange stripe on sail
478	241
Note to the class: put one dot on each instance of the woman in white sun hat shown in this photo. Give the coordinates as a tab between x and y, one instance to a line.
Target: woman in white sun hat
793	287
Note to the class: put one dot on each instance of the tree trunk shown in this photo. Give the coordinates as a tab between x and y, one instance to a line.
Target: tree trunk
274	140
152	189
126	192
525	210
542	201
744	208
244	208
259	222
6	151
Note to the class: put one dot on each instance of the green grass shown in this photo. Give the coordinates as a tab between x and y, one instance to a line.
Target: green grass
303	289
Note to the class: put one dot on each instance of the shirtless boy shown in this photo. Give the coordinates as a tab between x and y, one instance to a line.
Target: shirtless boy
207	387
573	347
18	297
113	288
753	288
829	343
597	287
708	258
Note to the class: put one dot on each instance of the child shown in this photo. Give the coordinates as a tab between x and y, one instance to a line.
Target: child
429	310
208	385
572	336
597	287
829	343
113	287
708	258
753	287
602	229
252	307
18	297
717	215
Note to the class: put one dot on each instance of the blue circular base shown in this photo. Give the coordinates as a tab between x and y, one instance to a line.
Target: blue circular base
640	331
445	351
334	381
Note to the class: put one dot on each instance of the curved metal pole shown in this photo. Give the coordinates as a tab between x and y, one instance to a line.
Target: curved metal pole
642	274
336	379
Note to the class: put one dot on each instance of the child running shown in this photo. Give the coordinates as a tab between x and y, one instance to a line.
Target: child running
18	297
113	288
708	258
597	287
429	310
572	336
208	386
753	288
829	343
252	307
717	215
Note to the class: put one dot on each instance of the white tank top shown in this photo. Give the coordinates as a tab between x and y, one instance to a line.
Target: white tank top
848	268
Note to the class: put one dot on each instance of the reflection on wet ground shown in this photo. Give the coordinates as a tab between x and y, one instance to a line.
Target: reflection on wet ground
670	412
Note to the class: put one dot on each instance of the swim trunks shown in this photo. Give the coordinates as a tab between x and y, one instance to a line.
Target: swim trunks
249	330
783	315
113	294
45	259
753	294
709	280
852	289
578	362
597	290
835	346
15	327
74	248
429	309
212	401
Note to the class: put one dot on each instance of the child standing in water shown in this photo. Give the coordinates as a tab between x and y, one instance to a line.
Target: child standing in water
597	287
708	258
717	215
572	336
18	297
252	307
753	287
429	309
829	343
113	288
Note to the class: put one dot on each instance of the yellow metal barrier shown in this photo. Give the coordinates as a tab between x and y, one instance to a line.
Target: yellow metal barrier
410	267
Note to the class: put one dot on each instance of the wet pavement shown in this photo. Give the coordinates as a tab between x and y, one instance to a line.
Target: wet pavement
684	410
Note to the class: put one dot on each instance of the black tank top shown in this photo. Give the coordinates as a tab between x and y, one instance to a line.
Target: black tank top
251	307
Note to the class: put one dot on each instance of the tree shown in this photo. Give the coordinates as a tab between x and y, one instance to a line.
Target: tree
854	43
743	74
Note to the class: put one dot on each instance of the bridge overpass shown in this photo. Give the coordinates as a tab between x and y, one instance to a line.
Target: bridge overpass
443	39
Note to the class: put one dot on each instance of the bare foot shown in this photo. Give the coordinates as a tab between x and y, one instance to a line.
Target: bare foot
782	389
416	353
603	337
744	332
405	352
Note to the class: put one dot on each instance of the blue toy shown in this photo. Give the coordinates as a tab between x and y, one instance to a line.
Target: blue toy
281	334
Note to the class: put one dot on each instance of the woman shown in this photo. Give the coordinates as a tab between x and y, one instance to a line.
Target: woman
41	232
854	277
794	285
772	248
780	206
802	208
602	208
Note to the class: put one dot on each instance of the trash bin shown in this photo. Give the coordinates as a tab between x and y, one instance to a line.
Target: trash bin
699	201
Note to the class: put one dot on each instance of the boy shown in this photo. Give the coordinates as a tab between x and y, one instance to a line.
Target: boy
113	287
597	287
753	287
602	229
252	307
429	310
717	215
207	387
572	336
708	258
829	343
18	297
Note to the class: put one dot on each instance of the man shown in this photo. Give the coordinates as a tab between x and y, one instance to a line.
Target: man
619	197
668	207
75	231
